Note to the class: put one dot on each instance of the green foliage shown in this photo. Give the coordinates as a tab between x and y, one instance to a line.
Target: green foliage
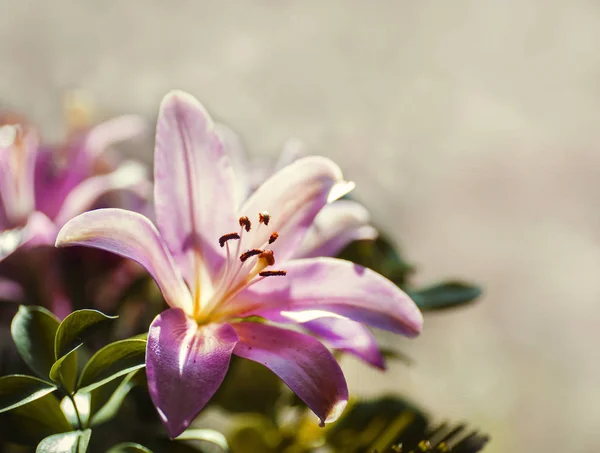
445	295
106	400
391	425
76	327
64	370
30	423
381	255
112	361
384	257
249	387
385	425
17	390
32	413
33	330
72	442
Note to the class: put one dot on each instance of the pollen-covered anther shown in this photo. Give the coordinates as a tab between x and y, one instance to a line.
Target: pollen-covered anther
227	237
245	222
264	217
272	273
250	253
268	256
273	237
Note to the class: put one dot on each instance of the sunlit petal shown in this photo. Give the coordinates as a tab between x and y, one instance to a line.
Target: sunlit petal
185	365
133	236
302	362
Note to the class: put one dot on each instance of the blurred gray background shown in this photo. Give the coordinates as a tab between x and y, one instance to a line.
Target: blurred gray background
470	128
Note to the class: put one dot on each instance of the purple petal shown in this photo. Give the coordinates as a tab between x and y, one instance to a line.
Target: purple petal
131	235
38	230
293	197
130	175
185	365
194	189
302	362
10	290
348	336
336	286
334	228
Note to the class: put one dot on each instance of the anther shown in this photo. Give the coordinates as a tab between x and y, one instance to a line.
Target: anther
268	256
226	237
249	253
273	237
245	222
272	273
264	217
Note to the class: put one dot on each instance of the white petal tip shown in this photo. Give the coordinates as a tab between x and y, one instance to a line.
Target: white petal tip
8	135
335	412
339	190
180	96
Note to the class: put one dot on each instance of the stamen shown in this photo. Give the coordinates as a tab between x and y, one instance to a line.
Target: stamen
249	253
272	273
264	217
273	237
268	256
245	223
226	237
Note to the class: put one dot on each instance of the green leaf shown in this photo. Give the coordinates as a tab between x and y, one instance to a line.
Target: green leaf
17	390
33	330
111	405
75	327
72	442
395	354
380	255
249	387
208	435
64	370
110	362
32	422
445	295
129	447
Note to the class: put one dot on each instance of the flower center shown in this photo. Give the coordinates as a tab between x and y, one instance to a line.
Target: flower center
242	268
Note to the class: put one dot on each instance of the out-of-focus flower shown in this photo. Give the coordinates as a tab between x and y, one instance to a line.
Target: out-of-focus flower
42	187
215	268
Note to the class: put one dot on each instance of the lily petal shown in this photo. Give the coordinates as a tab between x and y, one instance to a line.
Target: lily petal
38	230
293	197
335	227
130	175
11	290
349	336
131	235
337	286
185	365
115	130
193	189
302	362
18	152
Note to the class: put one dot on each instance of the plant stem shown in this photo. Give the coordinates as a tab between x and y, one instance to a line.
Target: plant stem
80	424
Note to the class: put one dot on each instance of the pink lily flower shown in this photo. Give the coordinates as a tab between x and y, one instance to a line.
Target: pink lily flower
42	187
219	261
